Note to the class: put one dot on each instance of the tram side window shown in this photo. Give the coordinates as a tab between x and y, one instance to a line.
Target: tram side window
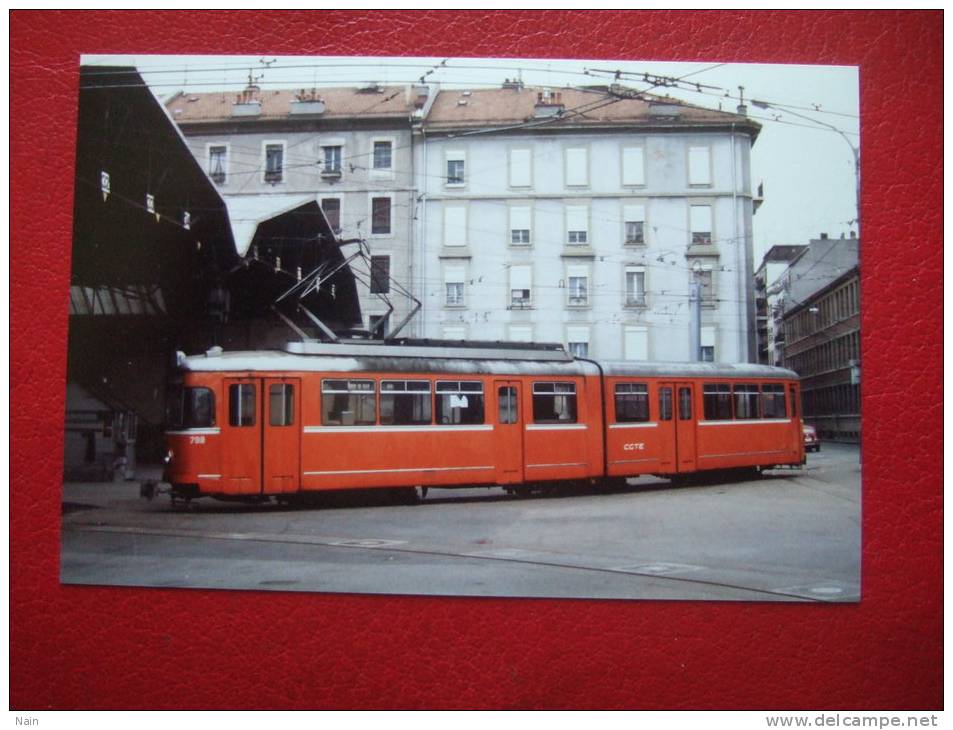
772	401
405	402
241	404
554	402
793	392
281	404
460	403
348	403
717	401
746	401
191	408
631	402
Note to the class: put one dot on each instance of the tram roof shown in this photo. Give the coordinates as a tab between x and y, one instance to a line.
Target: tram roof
540	360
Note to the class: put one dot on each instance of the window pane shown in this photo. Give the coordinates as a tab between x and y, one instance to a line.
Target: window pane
380	274
665	403
380	215
685	404
460	402
554	402
509	409
280	404
772	401
746	401
348	403
382	155
405	402
631	402
241	404
716	398
274	162
332	211
455	172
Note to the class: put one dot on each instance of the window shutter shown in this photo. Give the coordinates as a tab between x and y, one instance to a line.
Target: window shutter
520	168
636	343
454	226
701	218
699	166
635	213
708	336
453	274
577	218
521	218
577	334
521	277
633	166
577	166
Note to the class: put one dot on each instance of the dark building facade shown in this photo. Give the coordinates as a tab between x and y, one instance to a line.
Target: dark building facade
820	320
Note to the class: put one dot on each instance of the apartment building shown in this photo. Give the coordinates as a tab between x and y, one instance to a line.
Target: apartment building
584	217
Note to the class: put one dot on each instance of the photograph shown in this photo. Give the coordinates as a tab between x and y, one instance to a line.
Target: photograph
476	360
465	327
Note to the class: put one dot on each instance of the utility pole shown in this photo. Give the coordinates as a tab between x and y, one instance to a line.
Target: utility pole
695	320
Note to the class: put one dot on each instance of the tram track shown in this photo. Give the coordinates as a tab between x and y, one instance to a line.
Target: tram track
402	547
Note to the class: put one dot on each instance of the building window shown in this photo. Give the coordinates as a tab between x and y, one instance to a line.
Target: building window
380	216
577	166
577	225
634	216
521	333
456	167
454	225
636	343
699	166
554	402
378	324
380	274
578	280
383	151
521	168
332	211
635	286
348	403
521	219
274	162
331	160
520	287
633	166
701	224
405	402
218	163
577	341
707	344
453	279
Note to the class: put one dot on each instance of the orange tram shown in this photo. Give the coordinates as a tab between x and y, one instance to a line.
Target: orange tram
403	414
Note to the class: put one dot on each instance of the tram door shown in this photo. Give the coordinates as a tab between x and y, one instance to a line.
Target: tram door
281	437
685	426
676	404
509	430
241	437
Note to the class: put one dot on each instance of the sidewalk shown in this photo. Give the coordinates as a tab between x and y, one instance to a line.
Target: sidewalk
102	494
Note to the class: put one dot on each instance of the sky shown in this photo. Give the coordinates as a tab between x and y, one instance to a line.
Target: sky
804	154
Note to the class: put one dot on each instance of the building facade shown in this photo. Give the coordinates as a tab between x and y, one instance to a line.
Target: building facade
767	288
584	217
820	320
347	148
597	218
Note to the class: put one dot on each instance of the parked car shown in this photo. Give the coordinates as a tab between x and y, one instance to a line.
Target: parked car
811	440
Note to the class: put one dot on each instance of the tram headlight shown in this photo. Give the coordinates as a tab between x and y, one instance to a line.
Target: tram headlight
169	456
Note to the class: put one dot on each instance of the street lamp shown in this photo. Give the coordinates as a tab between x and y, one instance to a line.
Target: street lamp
853	148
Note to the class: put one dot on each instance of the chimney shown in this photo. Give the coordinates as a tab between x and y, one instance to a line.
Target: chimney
823	236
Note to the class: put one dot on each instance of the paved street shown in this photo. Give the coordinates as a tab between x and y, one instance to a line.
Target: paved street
793	535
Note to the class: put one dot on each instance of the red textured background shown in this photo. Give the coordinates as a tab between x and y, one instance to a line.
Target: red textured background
79	647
